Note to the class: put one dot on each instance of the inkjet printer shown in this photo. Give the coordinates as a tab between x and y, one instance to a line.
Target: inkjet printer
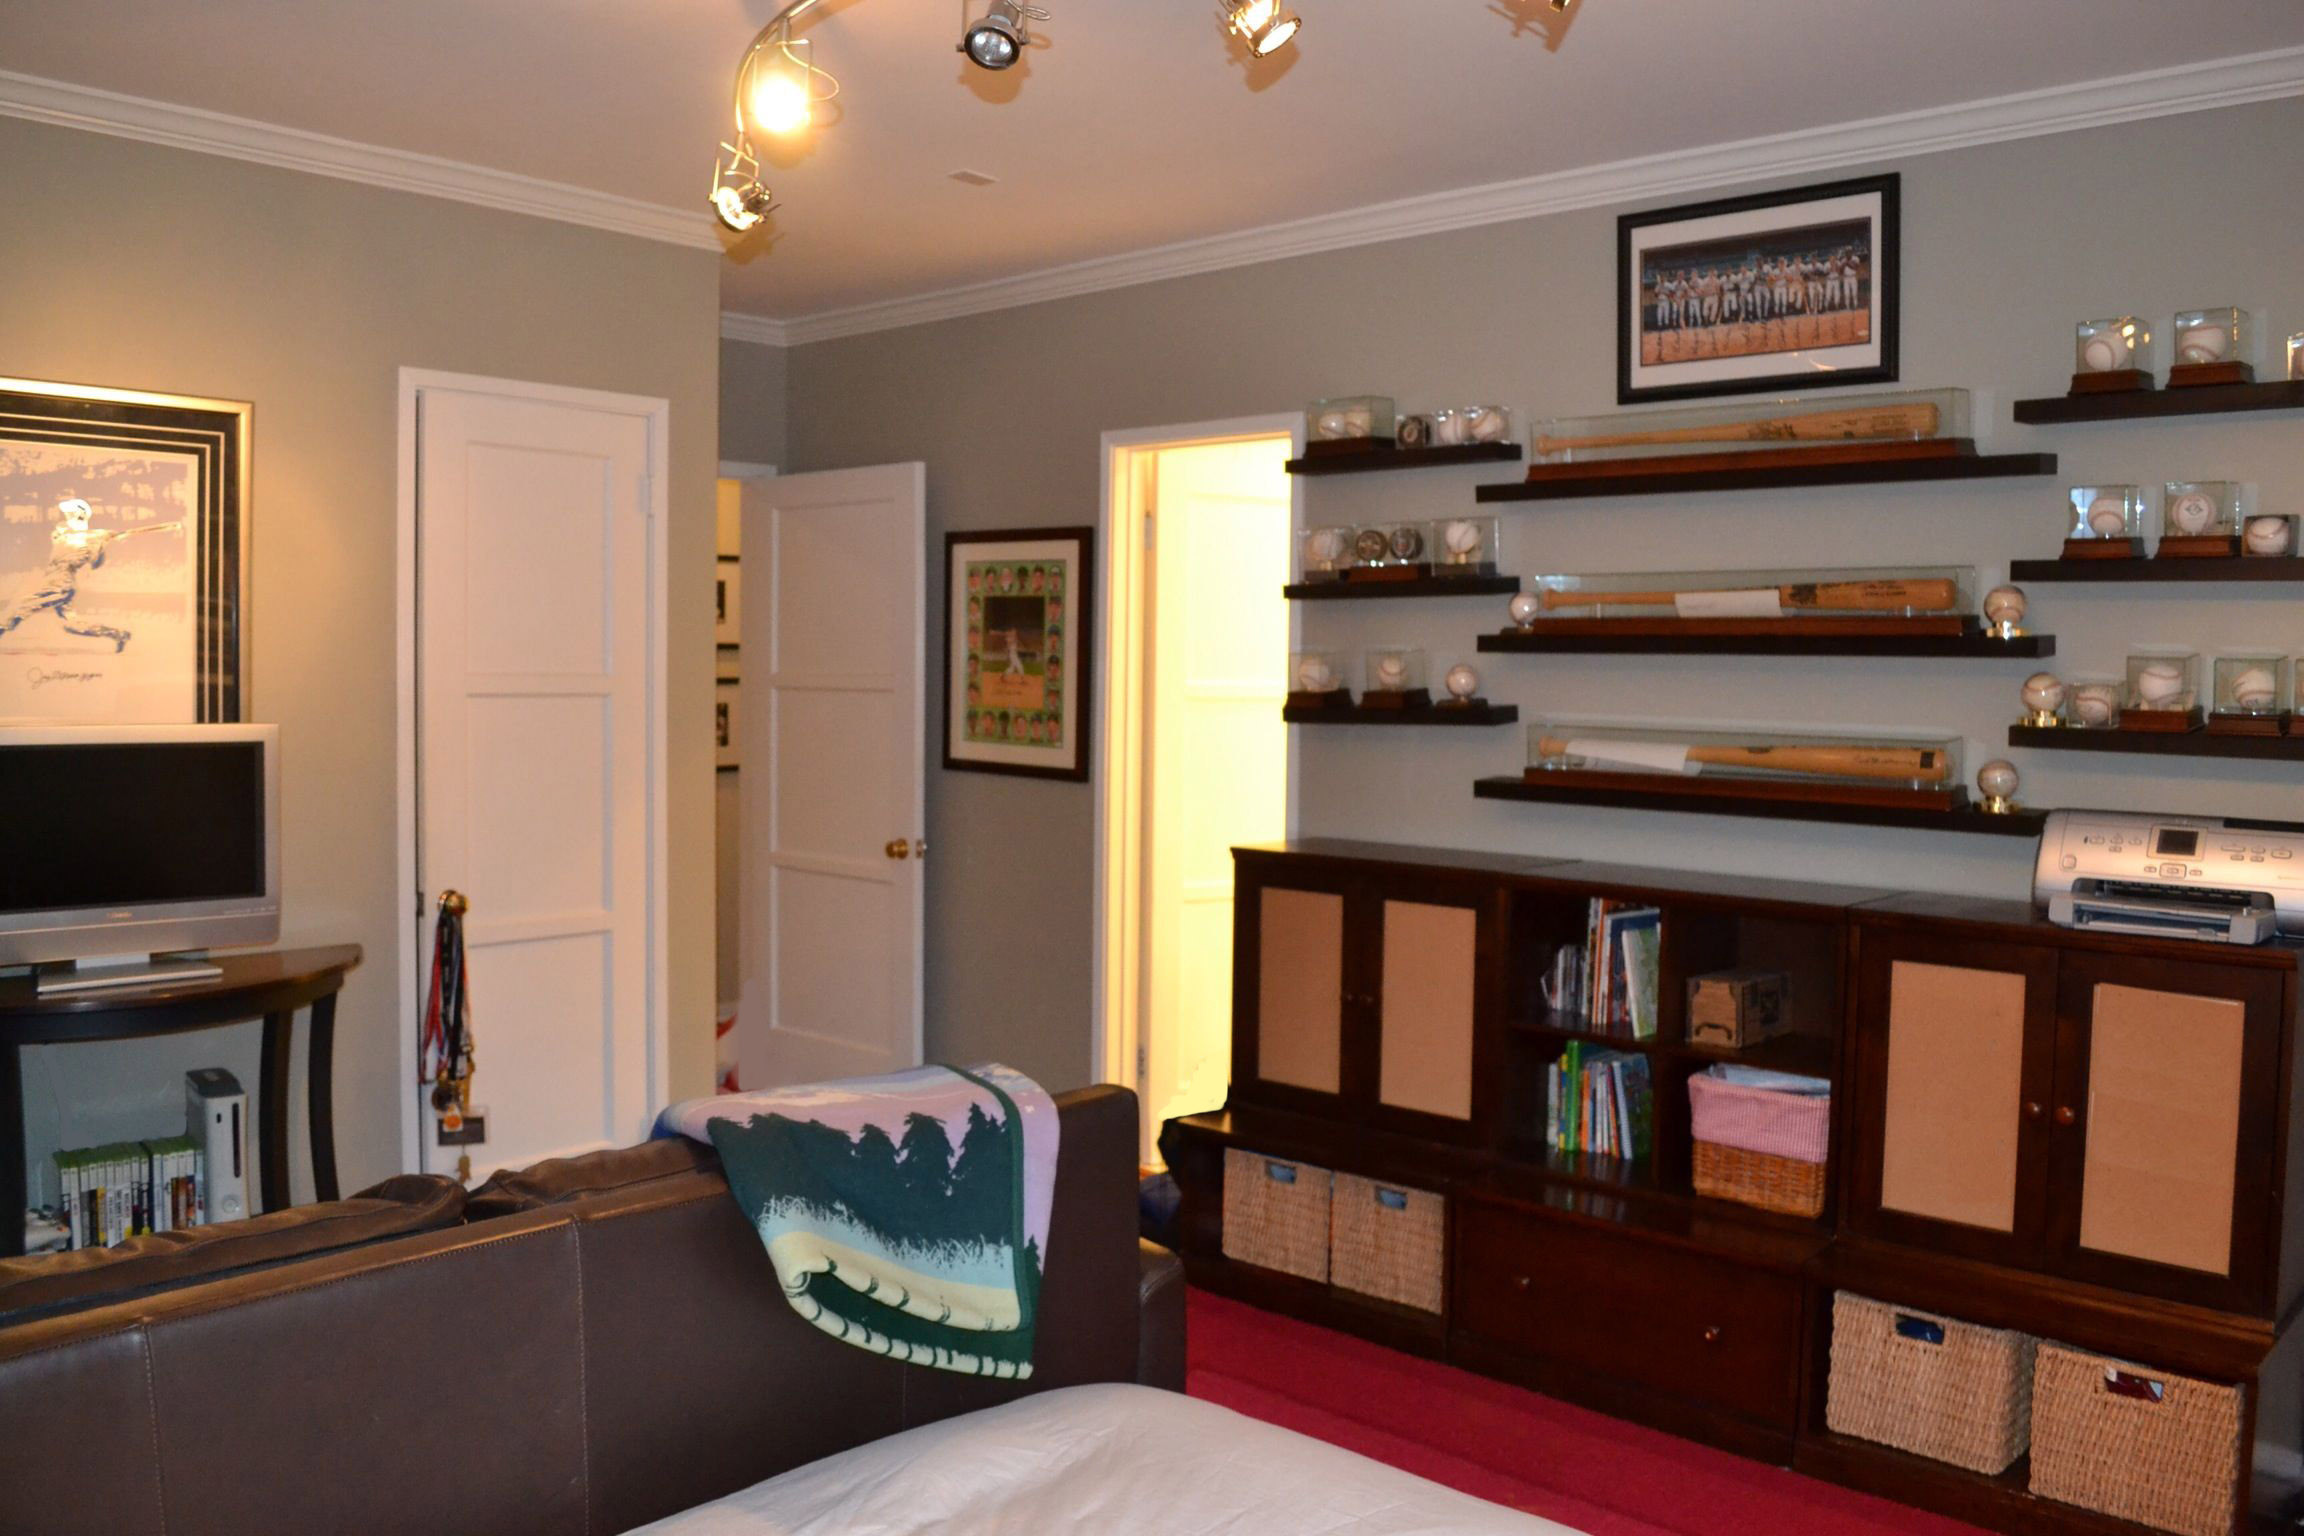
2225	880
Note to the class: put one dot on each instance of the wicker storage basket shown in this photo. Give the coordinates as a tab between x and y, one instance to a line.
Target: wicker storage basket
2143	1445
1758	1147
1276	1213
1929	1385
1755	1178
1388	1242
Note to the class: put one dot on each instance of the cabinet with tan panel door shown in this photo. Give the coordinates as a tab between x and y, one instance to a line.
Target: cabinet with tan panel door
2112	1113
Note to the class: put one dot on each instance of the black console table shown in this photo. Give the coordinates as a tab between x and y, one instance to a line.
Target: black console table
270	986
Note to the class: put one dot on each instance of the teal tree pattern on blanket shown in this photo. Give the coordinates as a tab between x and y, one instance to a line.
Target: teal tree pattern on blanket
902	1242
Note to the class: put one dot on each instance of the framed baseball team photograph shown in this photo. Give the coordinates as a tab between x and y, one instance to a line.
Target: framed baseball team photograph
1016	651
1779	290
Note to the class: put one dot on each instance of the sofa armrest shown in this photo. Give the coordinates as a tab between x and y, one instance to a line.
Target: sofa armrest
1160	1308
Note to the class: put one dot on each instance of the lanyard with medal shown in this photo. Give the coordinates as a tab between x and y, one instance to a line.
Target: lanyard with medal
445	1051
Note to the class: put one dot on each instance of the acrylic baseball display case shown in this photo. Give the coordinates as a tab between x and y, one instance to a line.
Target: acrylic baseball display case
2268	536
2248	694
1790	600
2162	692
1319	680
1393	677
2211	346
1923	421
2200	519
1391	551
1349	419
1881	771
1471	424
2104	522
1324	554
2112	354
1467	546
2092	700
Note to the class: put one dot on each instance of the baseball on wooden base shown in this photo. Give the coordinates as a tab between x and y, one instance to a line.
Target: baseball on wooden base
2254	689
2159	684
2192	512
1314	675
2095	703
2005	605
2107	517
1391	673
2203	344
2268	536
1463	682
1524	607
2043	693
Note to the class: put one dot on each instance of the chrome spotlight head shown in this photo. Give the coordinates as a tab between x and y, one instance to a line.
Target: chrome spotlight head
997	39
1264	25
739	196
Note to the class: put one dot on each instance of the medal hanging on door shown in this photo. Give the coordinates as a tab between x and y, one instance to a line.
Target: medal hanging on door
445	1049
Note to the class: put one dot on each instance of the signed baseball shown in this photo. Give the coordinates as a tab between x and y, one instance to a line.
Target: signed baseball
2203	344
1325	546
2043	694
1462	681
1997	779
2004	605
1524	608
1487	423
2192	512
1462	537
1314	675
2108	517
2103	353
2095	703
2254	688
2268	536
2159	684
1391	673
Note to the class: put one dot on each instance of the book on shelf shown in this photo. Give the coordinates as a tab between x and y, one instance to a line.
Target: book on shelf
1600	1101
1613	990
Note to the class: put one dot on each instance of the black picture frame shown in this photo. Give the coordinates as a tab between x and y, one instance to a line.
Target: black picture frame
1074	549
1828	363
214	435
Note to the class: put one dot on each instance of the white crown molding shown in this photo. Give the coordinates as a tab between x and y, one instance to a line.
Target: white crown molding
159	122
754	328
2060	109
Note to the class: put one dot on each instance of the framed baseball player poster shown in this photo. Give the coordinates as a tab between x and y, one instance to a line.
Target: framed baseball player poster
1779	290
123	555
1016	651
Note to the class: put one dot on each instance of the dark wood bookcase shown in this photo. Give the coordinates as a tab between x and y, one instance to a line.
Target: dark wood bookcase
2046	1205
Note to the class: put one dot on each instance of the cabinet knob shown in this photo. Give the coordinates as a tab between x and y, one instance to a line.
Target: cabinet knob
2032	1109
2065	1115
1522	1282
1712	1334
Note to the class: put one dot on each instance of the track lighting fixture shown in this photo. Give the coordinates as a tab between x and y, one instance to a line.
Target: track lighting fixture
1264	25
999	38
777	88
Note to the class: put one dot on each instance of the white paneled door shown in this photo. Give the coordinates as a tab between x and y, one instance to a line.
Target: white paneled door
834	757
536	683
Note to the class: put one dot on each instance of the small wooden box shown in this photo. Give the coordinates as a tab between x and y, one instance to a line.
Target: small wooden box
1733	1010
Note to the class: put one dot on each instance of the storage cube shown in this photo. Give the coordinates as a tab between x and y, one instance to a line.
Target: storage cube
1389	1241
1929	1384
1276	1213
2140	1444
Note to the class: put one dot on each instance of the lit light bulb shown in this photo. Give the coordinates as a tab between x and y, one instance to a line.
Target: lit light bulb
1279	33
1264	25
780	102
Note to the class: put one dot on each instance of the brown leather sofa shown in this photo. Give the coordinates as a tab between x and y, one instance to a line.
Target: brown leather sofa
609	1350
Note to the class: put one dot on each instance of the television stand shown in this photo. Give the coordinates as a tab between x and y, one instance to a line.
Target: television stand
103	973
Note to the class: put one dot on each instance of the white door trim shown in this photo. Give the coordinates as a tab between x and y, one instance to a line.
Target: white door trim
656	413
1114	1007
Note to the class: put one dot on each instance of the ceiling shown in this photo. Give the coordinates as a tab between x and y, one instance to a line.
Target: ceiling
1136	123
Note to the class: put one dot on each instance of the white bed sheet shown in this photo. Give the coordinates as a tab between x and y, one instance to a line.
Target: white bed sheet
1115	1460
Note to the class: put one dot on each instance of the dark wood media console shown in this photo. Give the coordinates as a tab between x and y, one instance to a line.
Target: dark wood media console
2087	1138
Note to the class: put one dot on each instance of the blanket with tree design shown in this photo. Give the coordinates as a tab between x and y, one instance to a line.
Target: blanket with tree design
906	1214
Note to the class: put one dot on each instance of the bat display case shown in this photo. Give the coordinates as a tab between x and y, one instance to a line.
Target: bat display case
1870	600
1916	773
1913	422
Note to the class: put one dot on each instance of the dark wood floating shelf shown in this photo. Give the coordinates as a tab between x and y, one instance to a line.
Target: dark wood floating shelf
1715	639
1368	461
1482	713
1959	819
1422	586
2234	568
1984	466
2200	743
2195	400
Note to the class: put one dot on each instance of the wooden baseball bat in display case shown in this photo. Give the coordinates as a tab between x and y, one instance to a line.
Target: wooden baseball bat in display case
1886	595
1883	423
1919	763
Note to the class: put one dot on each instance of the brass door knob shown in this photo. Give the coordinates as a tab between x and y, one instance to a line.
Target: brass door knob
899	848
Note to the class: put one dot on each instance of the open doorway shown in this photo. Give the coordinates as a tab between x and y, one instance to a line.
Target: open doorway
1194	756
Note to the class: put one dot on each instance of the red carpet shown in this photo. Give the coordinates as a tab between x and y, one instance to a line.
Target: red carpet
1597	1474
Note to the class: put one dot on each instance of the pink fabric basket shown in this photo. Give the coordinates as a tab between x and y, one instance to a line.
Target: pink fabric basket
1791	1125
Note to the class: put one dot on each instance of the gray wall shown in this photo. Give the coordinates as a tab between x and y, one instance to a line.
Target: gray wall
752	393
306	295
2004	247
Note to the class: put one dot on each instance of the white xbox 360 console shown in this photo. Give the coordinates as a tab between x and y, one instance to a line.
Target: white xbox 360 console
216	1118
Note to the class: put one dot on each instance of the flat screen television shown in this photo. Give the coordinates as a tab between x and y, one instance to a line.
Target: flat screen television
118	843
